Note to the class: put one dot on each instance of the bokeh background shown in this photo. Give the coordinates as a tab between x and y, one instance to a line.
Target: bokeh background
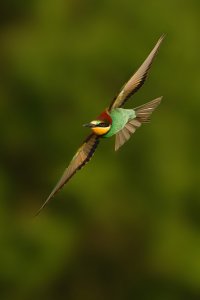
128	225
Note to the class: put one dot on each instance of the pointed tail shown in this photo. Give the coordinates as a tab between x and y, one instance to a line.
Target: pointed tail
143	112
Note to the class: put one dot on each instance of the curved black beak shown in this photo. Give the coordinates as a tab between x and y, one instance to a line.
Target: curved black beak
89	125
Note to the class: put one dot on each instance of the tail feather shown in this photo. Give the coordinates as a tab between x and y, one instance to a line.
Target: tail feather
143	114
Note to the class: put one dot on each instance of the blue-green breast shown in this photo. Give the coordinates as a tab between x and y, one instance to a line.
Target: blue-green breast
120	117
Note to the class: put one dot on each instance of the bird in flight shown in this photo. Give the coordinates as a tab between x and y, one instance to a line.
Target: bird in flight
114	120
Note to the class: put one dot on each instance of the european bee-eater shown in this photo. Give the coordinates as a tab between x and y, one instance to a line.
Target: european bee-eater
114	120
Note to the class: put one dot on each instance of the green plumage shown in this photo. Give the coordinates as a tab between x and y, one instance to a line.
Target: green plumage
120	117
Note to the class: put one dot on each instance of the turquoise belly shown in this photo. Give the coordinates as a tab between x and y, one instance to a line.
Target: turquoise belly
120	117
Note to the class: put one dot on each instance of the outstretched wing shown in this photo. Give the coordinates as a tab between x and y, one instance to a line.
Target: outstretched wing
137	80
82	156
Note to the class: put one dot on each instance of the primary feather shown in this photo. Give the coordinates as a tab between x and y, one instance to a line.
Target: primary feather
137	80
82	156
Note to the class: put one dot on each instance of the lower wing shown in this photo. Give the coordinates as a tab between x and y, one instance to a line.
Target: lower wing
82	156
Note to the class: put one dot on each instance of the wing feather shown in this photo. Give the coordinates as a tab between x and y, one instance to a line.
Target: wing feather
130	127
126	133
137	80
143	114
82	156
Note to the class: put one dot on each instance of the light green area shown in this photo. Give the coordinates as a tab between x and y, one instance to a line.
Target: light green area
119	117
127	226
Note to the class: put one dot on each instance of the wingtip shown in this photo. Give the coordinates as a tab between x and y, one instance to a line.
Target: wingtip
160	40
43	205
162	37
38	211
158	100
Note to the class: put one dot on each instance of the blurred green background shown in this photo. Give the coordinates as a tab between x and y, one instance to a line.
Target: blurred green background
128	225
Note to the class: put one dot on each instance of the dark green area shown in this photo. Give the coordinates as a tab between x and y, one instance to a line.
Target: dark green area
128	225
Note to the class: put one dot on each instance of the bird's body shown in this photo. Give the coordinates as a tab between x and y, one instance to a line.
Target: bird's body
114	120
120	117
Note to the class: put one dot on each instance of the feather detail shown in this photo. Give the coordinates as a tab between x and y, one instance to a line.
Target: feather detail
124	135
143	114
130	127
80	159
137	80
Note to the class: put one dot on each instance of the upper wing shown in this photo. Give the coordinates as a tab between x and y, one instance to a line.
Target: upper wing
82	156
137	80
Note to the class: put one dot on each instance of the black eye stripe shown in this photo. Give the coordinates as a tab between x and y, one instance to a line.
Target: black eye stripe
103	125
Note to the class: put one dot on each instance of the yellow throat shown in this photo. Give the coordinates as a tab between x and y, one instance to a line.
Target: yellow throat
100	130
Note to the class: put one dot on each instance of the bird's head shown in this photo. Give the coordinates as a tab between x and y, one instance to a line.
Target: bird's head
99	127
